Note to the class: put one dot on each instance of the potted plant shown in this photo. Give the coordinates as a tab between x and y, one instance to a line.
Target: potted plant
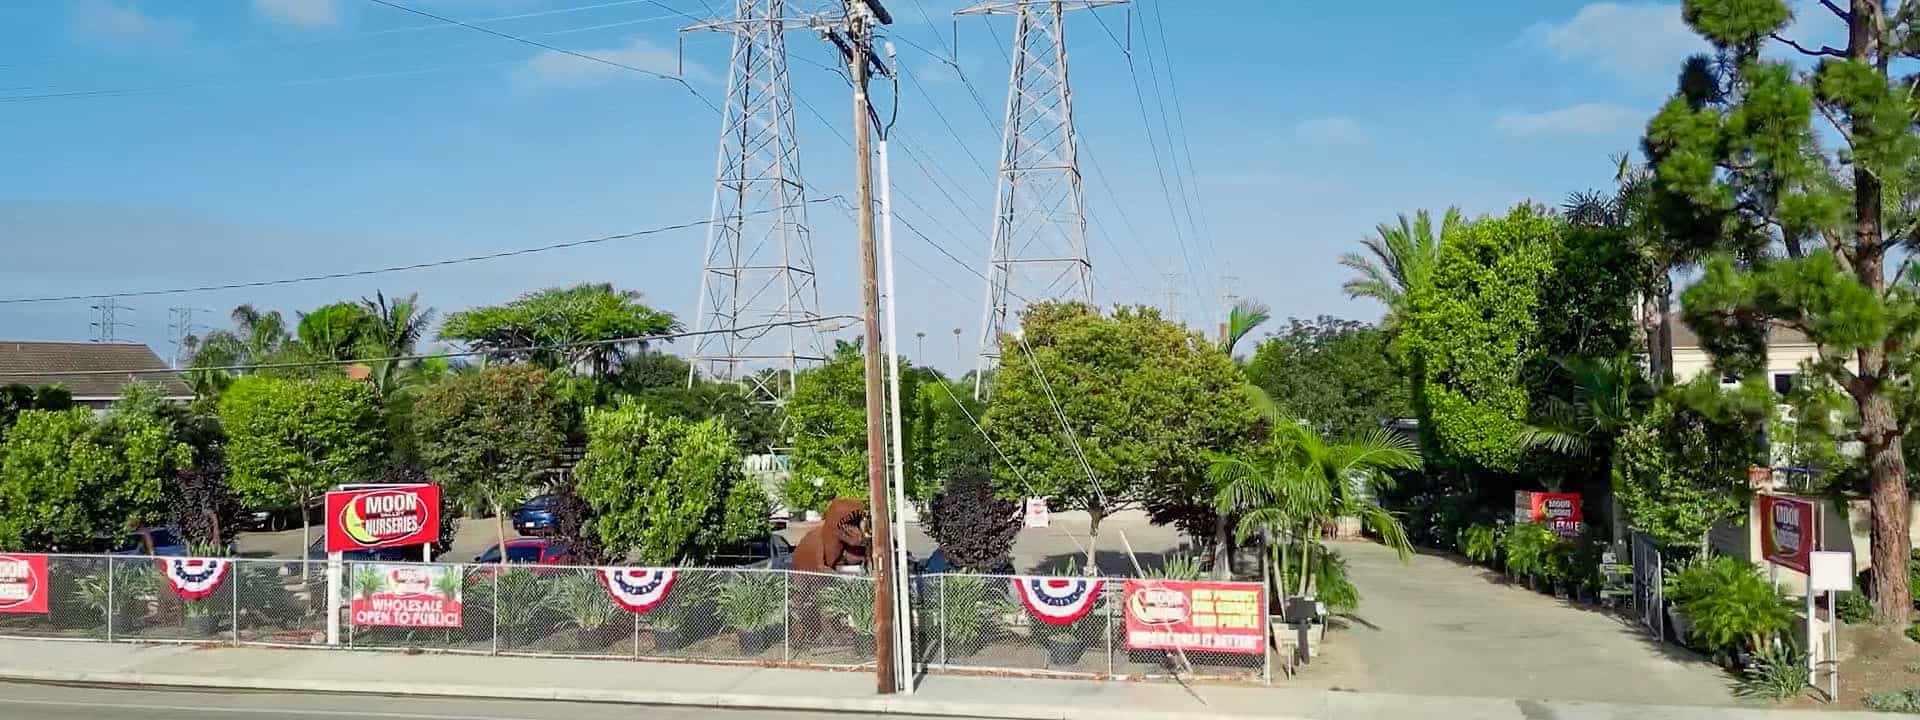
585	604
132	585
676	622
752	605
851	600
1732	609
968	608
1066	643
1481	544
1529	548
203	616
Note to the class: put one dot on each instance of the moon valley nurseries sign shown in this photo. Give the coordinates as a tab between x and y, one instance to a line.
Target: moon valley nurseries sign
382	517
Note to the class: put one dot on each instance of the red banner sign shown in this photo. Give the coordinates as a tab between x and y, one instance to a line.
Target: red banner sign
1196	615
23	584
1559	511
1788	530
382	517
407	595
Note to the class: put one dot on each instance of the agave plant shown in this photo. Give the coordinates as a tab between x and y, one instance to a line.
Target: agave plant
851	600
581	598
752	602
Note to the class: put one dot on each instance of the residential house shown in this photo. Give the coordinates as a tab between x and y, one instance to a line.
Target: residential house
95	373
1787	350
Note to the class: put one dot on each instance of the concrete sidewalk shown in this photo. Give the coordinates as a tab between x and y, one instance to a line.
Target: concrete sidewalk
746	687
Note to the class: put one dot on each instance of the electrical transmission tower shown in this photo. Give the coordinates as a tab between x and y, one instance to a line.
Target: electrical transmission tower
758	267
1039	248
106	329
183	327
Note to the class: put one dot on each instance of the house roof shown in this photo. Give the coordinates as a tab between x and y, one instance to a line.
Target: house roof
1683	336
43	363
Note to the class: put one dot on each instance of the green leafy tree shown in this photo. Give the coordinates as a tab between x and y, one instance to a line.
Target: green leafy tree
665	489
16	398
1403	258
489	437
335	331
827	418
1298	482
1474	333
586	313
1145	402
289	441
67	478
1681	465
1753	157
1338	376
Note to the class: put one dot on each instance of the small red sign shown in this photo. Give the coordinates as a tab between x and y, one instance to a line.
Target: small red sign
1788	530
1194	615
23	584
382	517
1560	511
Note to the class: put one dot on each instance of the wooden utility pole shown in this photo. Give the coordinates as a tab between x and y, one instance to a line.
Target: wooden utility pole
860	19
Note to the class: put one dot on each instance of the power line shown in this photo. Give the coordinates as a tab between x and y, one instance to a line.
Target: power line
428	356
375	271
682	82
1173	152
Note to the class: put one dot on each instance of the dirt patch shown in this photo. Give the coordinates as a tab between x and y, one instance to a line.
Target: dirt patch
1872	660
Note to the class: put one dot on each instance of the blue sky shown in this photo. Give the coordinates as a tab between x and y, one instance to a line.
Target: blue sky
243	140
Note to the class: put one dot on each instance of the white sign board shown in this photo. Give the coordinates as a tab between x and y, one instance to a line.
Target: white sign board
1831	571
1037	515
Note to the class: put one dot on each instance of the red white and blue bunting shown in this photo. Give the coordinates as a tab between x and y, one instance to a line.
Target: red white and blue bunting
1057	600
637	589
193	578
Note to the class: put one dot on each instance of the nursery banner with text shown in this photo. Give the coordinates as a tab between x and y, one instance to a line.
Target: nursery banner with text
1195	615
407	595
1787	533
23	584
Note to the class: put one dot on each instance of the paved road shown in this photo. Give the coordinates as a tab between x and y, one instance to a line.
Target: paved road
53	702
1440	627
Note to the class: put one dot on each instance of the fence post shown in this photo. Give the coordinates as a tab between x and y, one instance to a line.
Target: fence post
497	605
235	578
636	634
112	602
1108	640
941	621
786	617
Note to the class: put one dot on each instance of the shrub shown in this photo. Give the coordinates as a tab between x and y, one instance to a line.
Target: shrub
1913	633
974	528
1777	673
1481	543
1853	608
752	602
1530	549
1907	701
1731	604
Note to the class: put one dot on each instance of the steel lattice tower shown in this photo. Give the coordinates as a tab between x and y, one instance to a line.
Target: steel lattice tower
759	260
1039	248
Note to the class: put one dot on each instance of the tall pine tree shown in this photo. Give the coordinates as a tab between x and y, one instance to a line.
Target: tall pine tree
1819	158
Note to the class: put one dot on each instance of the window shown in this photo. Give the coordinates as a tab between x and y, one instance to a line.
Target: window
1784	383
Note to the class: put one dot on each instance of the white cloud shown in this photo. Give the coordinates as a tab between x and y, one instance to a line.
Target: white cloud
300	13
1332	130
1582	119
558	69
1638	41
126	24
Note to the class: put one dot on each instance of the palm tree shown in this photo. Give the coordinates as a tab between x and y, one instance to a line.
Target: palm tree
1246	316
1607	395
395	331
1402	262
256	338
1300	482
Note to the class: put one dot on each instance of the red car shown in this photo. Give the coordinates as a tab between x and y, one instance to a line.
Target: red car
530	551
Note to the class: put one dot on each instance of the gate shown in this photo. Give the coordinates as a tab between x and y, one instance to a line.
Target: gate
1648	597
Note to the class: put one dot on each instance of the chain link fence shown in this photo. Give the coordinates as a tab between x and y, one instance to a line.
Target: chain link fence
740	615
962	622
966	621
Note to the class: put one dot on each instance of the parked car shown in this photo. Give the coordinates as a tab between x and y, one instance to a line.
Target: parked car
317	550
771	551
166	543
535	551
536	516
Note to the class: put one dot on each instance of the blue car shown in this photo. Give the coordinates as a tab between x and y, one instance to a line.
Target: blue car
535	517
166	543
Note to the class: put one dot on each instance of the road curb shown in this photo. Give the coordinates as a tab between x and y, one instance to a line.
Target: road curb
903	706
